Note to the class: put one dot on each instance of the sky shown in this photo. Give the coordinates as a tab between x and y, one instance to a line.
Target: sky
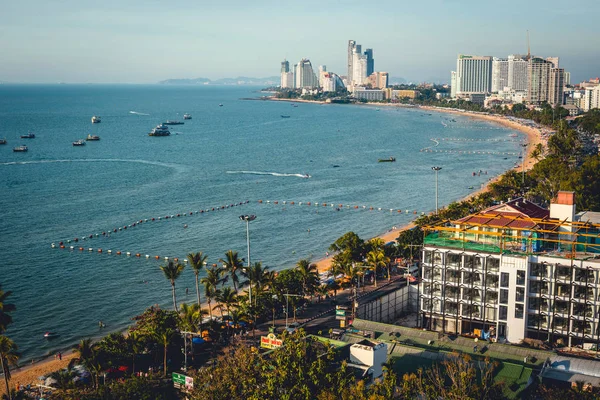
134	41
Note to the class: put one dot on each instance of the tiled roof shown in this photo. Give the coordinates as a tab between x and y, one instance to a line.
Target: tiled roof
512	214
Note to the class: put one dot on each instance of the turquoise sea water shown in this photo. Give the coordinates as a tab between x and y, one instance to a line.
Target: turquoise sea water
243	151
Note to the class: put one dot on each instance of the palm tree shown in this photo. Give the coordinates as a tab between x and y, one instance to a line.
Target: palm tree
210	282
172	271
8	357
88	355
227	298
63	378
379	245
257	275
136	345
232	264
309	275
375	259
5	310
190	317
197	262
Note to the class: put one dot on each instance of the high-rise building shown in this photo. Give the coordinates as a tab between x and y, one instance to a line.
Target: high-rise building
351	49
499	74
331	82
285	66
473	74
453	84
285	72
517	72
322	71
305	76
377	80
359	64
546	80
567	78
370	61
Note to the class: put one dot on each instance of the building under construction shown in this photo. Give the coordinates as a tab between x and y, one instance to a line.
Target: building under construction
515	271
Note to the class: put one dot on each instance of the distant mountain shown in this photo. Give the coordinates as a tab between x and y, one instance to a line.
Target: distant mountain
394	80
240	80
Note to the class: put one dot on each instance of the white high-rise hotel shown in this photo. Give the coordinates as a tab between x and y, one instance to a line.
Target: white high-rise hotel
473	74
360	65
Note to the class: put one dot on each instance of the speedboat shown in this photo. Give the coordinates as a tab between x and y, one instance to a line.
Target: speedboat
21	149
169	122
79	142
92	137
30	135
220	104
96	119
160	130
306	176
391	159
187	116
50	335
2	141
285	116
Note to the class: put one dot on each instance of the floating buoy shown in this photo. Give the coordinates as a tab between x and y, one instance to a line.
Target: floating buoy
60	243
176	259
71	248
81	249
260	201
128	253
76	239
90	249
166	258
53	245
147	255
118	253
275	202
291	202
109	251
157	257
62	246
99	250
138	255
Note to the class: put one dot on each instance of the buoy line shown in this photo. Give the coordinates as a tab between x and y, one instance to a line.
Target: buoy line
340	206
457	139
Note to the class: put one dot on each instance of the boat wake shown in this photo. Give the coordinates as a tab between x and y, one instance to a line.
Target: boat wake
269	173
137	113
94	160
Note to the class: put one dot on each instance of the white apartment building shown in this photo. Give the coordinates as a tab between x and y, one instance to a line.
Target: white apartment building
359	64
453	84
331	82
517	72
287	80
322	71
473	74
545	82
305	76
590	98
499	74
515	271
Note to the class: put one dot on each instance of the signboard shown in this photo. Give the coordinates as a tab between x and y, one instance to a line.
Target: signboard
270	341
181	381
340	313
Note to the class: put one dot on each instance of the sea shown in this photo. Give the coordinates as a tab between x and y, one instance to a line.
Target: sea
160	197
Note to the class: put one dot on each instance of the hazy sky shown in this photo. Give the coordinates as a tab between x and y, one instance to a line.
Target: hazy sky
146	41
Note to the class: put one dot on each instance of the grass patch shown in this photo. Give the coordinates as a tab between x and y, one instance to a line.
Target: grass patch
407	364
514	376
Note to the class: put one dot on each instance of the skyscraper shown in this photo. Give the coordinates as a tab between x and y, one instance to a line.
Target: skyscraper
322	71
370	61
285	66
285	75
305	76
453	84
546	81
499	74
517	72
351	46
473	74
359	64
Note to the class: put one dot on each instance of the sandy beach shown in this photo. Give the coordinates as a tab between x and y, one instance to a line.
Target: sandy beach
28	375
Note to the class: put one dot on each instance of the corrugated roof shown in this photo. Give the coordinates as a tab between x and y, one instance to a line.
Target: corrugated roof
517	211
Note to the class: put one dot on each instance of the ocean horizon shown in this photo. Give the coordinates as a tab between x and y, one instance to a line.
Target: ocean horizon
239	158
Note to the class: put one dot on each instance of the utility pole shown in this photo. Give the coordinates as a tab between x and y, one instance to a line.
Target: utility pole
436	169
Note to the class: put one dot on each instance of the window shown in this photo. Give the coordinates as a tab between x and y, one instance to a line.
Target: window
504	279
503	314
519	311
503	296
520	294
520	277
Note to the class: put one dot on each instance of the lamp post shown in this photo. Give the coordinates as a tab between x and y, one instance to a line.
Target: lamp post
436	169
524	146
248	218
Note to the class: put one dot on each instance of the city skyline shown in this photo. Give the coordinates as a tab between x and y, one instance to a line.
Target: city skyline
144	42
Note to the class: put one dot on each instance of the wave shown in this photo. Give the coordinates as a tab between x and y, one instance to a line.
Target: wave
269	173
175	166
137	113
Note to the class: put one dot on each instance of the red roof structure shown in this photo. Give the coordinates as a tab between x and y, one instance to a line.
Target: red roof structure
516	213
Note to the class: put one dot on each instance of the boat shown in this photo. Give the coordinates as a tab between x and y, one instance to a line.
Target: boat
220	104
295	105
160	130
30	135
50	335
513	135
285	116
20	149
96	119
187	116
2	141
391	159
169	122
470	188
79	142
92	137
306	176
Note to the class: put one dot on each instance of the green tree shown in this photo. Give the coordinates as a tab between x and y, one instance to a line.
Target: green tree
376	259
90	356
172	271
8	357
232	264
309	275
64	378
350	243
190	317
257	277
211	281
197	261
5	310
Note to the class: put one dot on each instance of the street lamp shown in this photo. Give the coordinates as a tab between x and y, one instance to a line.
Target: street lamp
524	145
248	218
436	169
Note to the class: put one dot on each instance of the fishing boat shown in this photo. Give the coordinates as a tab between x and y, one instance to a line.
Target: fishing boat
92	137
79	142
50	335
187	116
2	141
220	104
169	122
160	130
30	135
20	149
285	116
391	159
96	119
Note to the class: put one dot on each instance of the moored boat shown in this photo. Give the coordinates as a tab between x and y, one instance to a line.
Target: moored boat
50	335
79	142
160	130
20	149
391	159
96	119
285	116
187	116
92	137
2	141
169	122
30	135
